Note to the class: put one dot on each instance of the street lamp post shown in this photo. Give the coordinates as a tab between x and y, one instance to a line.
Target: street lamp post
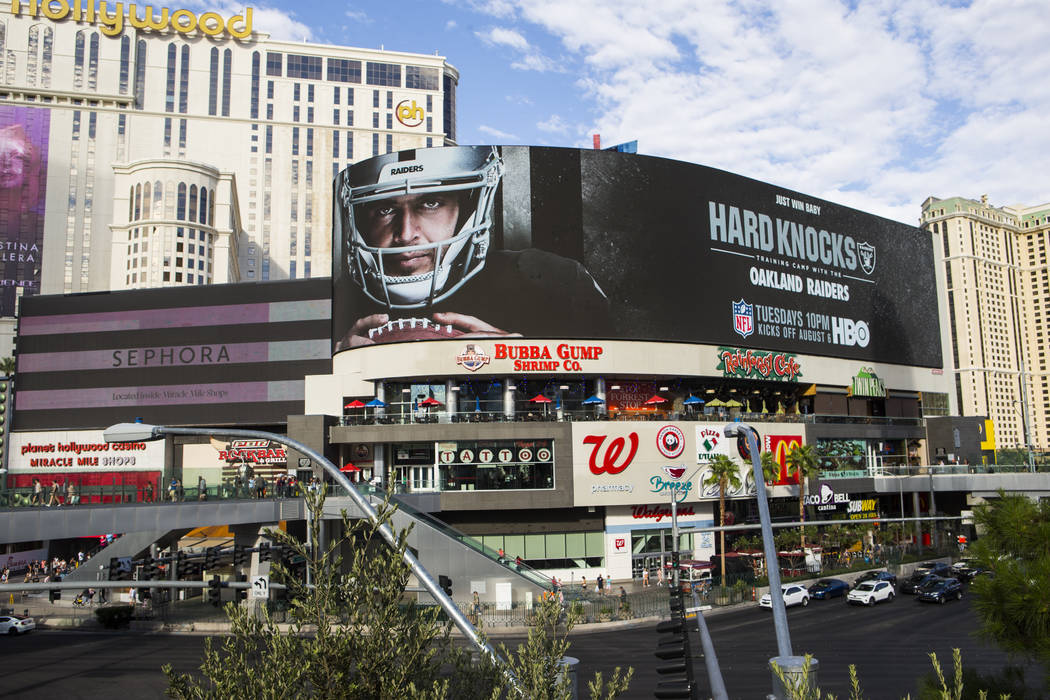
790	664
141	432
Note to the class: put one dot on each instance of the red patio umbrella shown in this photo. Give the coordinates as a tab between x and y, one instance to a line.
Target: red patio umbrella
429	401
349	467
354	404
540	398
654	399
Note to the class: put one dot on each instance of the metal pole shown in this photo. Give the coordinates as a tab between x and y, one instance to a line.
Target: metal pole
446	603
675	556
776	595
714	671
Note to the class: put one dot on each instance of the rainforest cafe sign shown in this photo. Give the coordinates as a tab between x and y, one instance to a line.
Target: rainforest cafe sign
112	17
752	364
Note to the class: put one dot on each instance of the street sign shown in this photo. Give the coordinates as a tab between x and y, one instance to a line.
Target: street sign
260	589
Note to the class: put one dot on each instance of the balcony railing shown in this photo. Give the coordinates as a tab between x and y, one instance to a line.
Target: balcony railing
577	416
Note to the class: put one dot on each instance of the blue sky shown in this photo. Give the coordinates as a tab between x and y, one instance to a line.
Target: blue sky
874	104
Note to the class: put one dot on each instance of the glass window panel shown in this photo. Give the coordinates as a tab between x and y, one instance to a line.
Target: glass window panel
596	544
514	546
535	547
575	545
556	545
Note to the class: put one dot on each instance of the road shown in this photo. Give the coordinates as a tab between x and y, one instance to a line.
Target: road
889	644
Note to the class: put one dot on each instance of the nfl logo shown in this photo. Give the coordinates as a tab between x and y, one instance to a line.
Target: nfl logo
743	318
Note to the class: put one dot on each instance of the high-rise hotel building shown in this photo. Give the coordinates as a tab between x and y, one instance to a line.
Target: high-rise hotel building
998	297
165	148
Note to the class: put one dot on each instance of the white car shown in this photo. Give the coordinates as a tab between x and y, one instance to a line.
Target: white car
870	592
16	625
794	594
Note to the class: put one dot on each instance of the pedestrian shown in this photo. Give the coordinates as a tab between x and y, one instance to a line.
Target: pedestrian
149	492
52	495
202	488
500	553
660	576
71	494
600	585
517	562
583	583
645	578
475	609
623	598
38	492
173	489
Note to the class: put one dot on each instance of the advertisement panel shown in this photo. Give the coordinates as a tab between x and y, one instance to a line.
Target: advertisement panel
644	464
561	243
23	181
225	354
64	451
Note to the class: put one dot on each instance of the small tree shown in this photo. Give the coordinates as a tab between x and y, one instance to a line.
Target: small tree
7	367
356	635
724	474
1012	604
803	463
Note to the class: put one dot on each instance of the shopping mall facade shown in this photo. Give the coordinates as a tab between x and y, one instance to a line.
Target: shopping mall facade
555	435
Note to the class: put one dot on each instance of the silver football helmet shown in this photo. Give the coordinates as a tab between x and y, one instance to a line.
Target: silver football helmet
473	173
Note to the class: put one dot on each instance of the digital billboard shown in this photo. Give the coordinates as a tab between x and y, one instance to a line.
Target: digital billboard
487	241
23	179
218	355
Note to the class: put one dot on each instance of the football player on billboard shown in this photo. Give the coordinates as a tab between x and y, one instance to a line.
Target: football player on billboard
417	230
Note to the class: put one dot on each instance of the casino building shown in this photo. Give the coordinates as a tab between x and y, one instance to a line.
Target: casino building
480	394
172	148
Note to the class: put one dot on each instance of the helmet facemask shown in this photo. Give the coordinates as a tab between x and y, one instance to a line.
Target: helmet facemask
470	174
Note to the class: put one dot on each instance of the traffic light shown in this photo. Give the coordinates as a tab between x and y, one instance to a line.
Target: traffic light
149	569
242	593
264	551
114	569
211	558
675	648
184	568
446	584
240	555
214	591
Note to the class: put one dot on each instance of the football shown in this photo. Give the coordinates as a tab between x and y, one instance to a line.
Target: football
405	329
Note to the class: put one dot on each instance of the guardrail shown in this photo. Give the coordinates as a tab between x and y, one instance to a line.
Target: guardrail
565	415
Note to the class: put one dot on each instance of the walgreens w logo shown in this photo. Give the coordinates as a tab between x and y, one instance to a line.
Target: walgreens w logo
611	454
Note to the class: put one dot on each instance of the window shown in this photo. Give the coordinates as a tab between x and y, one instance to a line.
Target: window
335	95
274	66
309	93
305	67
418	78
385	74
227	77
213	82
344	71
389	121
269	89
255	86
335	117
375	120
335	145
295	141
295	92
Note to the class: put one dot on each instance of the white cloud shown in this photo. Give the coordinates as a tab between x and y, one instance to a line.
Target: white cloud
490	131
499	36
451	24
529	57
875	104
358	16
554	125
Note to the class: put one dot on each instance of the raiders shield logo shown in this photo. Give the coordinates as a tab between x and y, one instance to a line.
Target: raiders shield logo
867	257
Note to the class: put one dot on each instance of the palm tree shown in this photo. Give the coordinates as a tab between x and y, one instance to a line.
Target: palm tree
725	473
770	467
7	367
803	462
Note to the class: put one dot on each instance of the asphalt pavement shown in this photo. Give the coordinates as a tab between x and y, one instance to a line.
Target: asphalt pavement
889	644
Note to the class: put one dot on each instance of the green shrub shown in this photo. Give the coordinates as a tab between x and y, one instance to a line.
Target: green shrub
114	616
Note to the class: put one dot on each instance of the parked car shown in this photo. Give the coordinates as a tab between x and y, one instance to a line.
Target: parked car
794	594
876	576
940	591
870	592
828	588
10	624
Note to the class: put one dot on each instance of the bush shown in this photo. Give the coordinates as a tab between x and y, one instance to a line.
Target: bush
114	616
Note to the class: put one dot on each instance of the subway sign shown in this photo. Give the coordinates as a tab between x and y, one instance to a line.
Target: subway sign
112	22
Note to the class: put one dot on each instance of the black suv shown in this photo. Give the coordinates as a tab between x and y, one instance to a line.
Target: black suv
940	590
937	569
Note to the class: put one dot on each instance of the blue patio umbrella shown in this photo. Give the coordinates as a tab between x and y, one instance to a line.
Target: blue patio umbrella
692	401
375	403
591	400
